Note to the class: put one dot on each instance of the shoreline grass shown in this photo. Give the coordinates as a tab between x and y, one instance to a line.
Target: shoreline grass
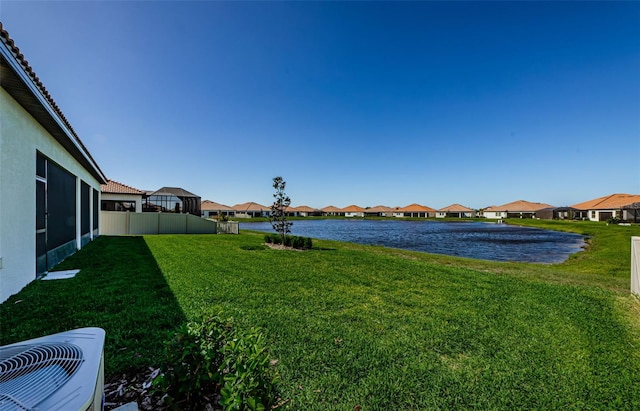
363	325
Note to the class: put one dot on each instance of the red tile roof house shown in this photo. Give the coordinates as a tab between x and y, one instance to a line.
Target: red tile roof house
378	211
515	209
251	209
211	209
415	211
621	206
353	211
45	170
332	211
120	197
456	211
302	211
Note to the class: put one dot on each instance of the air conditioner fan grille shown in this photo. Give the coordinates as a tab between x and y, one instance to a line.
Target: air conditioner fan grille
31	373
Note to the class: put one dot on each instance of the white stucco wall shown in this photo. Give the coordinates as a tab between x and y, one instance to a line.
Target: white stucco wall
495	214
21	136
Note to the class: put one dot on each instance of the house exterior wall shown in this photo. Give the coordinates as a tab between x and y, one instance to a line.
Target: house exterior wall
21	137
137	198
495	214
602	215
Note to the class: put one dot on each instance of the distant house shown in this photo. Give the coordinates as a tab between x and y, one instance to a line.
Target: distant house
251	209
620	206
120	197
49	182
353	211
212	209
455	211
415	211
332	211
172	200
303	211
515	209
378	211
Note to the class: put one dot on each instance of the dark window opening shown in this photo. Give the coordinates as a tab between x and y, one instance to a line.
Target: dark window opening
85	208
115	205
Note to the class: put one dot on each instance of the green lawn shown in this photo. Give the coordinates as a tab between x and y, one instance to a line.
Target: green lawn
371	326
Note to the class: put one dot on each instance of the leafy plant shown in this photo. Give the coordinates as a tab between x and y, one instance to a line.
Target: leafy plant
210	358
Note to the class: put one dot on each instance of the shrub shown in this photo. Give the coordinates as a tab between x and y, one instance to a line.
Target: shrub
298	242
210	357
308	243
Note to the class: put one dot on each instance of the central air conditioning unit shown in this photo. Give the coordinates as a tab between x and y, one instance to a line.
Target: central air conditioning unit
63	371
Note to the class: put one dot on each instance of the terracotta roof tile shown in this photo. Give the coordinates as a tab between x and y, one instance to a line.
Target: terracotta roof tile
456	208
331	209
379	209
415	208
114	187
303	209
610	202
250	206
352	209
4	37
520	206
213	206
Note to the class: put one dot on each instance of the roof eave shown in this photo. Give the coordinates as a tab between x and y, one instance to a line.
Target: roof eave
21	87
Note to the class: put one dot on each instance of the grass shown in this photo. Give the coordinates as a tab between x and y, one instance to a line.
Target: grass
370	326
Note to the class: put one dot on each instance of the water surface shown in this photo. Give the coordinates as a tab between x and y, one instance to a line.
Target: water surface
487	241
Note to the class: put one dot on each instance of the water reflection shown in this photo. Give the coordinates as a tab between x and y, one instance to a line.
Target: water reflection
487	241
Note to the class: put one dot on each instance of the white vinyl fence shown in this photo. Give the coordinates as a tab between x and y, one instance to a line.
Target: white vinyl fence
123	223
635	265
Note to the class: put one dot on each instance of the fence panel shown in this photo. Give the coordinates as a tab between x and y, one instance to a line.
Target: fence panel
114	223
198	225
143	223
228	227
172	223
635	265
123	223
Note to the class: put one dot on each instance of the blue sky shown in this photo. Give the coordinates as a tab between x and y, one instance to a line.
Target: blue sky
362	103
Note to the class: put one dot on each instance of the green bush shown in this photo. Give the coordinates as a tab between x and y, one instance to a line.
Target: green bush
308	243
302	243
210	357
298	242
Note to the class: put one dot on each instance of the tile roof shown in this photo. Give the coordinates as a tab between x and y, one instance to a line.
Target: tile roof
378	209
415	208
331	209
610	202
352	209
303	209
520	206
114	187
20	59
213	206
250	206
456	208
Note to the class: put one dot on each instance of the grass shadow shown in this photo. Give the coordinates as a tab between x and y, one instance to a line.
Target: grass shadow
120	288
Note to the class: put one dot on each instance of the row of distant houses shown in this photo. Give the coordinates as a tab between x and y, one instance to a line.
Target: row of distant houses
120	197
620	206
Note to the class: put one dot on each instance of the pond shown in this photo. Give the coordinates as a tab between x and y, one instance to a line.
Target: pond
486	241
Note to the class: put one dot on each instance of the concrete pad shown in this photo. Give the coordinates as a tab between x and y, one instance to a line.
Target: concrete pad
60	275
